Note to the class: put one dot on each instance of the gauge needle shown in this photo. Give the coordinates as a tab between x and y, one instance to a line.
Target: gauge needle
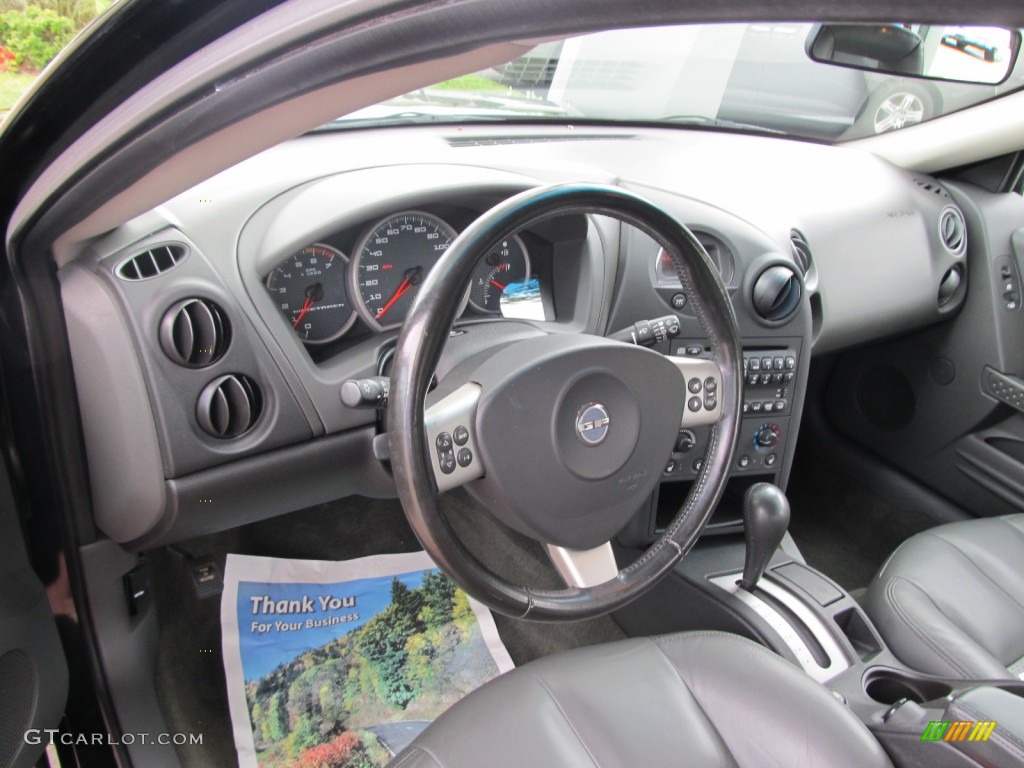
411	278
497	285
314	293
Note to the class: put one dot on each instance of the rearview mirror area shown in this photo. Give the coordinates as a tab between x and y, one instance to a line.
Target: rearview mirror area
981	55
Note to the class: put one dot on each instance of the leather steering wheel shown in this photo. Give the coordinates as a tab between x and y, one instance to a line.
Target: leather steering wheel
562	436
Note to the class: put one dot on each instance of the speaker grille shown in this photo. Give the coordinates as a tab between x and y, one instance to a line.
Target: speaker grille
19	686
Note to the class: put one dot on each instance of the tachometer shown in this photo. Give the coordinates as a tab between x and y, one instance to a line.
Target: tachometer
505	264
391	261
311	290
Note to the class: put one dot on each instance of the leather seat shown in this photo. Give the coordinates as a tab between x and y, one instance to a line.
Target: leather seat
950	601
694	699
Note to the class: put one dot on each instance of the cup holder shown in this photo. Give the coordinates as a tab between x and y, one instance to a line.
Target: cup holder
887	686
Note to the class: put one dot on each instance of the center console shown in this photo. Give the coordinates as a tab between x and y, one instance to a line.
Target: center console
767	593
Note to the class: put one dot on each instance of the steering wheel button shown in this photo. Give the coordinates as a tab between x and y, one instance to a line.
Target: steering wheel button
447	462
710	384
461	436
693	385
465	457
694	404
444	442
710	402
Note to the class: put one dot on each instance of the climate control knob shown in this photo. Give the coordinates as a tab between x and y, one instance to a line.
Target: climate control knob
767	436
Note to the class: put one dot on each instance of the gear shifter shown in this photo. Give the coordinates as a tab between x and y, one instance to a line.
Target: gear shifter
765	520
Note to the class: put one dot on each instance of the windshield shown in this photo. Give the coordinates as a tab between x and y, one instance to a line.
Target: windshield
741	76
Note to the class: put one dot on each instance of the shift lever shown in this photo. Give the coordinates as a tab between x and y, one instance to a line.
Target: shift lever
765	520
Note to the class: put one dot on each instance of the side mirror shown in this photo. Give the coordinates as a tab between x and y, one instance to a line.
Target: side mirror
984	55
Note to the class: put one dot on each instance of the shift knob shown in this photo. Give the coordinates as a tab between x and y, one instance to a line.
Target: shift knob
765	520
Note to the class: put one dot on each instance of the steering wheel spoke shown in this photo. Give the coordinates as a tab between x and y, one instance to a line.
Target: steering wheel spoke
584	567
702	380
451	438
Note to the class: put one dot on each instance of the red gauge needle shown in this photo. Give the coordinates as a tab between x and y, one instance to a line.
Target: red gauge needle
497	285
412	277
305	308
314	293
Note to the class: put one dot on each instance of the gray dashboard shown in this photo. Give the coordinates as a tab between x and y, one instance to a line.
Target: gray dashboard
252	424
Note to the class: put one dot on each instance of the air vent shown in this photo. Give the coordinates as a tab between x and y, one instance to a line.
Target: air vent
194	333
494	141
229	406
931	185
151	263
801	251
777	293
950	282
953	230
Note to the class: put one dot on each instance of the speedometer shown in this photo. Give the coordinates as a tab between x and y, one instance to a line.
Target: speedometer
390	262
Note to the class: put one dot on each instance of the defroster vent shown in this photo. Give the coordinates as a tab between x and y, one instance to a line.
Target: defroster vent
194	333
153	262
229	406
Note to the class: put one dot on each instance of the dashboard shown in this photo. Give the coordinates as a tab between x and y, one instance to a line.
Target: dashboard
211	337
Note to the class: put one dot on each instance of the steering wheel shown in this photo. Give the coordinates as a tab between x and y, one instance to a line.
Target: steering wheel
562	436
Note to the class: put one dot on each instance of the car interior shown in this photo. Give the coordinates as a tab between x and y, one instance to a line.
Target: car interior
723	422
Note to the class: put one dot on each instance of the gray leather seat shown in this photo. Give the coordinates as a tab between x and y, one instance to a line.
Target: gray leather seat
695	699
950	601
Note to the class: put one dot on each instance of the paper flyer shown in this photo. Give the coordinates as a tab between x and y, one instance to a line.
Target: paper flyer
341	664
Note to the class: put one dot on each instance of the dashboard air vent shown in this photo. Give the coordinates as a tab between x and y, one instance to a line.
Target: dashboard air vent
931	185
229	406
194	333
151	263
953	230
801	250
949	284
777	293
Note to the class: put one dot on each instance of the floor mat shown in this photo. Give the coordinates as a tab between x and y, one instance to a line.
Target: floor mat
344	663
843	527
190	677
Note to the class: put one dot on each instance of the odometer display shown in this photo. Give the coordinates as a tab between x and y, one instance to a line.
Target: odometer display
311	291
391	261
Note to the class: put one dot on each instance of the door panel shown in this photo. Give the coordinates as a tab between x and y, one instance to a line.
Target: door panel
33	672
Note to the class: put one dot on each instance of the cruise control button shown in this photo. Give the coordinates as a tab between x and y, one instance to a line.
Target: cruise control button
693	385
447	462
444	442
465	457
694	404
710	402
710	384
461	436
